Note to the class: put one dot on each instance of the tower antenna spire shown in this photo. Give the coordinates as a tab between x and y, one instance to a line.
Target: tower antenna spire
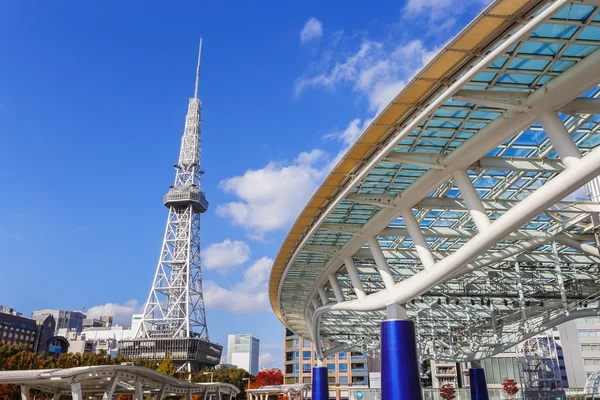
198	70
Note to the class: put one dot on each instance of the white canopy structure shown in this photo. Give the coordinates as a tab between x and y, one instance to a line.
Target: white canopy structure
108	381
472	199
293	392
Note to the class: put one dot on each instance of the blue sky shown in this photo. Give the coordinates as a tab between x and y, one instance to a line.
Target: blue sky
92	105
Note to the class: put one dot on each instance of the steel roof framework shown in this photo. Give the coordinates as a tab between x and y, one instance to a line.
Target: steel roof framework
465	215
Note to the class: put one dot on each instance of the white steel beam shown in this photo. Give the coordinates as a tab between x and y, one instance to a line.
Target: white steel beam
429	160
447	203
381	262
335	286
494	98
354	278
518	164
559	136
472	199
582	105
75	391
418	239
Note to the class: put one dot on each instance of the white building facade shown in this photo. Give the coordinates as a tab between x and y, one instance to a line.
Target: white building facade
243	351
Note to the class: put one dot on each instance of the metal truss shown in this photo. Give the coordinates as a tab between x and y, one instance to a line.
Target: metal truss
175	306
467	217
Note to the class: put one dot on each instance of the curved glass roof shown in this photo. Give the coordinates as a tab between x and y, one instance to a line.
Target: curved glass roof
543	272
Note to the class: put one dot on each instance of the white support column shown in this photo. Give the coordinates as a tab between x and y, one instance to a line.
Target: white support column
412	225
335	286
75	391
449	335
433	344
521	293
354	278
25	392
470	331
381	262
561	139
560	280
395	311
472	199
112	384
56	396
323	295
139	393
188	396
161	394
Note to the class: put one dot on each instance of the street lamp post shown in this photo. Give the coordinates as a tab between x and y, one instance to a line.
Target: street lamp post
248	387
211	375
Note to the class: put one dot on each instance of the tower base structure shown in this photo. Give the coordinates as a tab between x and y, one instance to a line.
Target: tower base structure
188	354
400	377
477	384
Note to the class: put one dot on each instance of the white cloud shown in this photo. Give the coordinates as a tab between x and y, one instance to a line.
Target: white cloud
272	197
121	313
373	71
247	296
440	15
313	28
226	255
267	360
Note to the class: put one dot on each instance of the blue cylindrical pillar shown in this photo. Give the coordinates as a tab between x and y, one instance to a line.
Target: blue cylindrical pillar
320	384
400	377
477	383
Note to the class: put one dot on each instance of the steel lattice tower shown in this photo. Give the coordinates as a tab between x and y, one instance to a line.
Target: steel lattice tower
174	321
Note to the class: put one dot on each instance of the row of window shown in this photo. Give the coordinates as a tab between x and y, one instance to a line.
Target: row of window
590	347
589	333
591	361
309	356
331	368
590	320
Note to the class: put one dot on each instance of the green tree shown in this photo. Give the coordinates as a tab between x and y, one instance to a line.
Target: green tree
167	367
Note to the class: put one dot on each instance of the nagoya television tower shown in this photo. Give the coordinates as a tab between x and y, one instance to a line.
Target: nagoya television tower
174	322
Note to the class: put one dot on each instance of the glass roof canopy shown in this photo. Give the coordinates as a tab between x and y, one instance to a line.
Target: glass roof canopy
535	276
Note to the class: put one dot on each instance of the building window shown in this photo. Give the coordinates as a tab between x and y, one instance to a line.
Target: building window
306	379
331	368
306	343
331	357
305	367
343	381
589	333
343	367
295	368
591	361
306	355
331	380
592	320
343	356
590	347
296	342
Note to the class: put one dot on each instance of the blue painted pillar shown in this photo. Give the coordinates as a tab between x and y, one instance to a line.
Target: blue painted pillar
400	376
320	384
477	383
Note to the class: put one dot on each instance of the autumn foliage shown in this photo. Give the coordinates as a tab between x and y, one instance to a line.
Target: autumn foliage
509	386
447	391
267	377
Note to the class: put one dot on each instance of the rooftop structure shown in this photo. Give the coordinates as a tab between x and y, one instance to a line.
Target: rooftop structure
174	321
461	206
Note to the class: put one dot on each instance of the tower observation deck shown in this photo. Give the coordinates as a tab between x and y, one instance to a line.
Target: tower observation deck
174	321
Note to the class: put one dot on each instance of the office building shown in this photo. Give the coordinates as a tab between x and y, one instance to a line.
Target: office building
243	351
71	320
17	330
344	369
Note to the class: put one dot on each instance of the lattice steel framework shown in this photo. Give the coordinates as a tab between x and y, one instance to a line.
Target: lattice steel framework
458	201
174	315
